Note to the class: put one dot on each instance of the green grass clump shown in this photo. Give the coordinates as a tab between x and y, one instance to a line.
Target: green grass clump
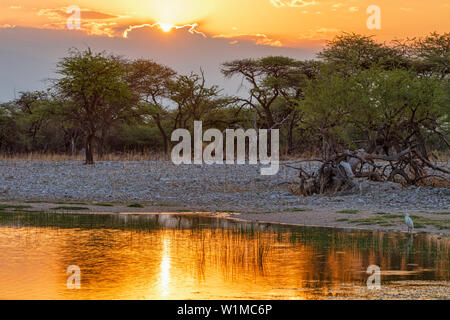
342	220
348	211
135	205
103	204
442	213
386	224
70	202
296	209
13	207
393	216
420	222
387	220
70	208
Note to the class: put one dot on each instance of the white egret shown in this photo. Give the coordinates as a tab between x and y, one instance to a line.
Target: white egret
409	222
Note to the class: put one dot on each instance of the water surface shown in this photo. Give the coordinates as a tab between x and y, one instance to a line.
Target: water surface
197	257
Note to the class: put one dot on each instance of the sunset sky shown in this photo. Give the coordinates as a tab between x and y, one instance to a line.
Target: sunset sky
34	34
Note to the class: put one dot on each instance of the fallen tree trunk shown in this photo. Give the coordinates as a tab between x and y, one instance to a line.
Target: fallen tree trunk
338	174
330	178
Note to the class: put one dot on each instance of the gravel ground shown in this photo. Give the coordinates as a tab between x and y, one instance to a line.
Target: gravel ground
238	188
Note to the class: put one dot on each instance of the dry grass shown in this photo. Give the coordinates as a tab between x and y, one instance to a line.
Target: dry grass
139	156
66	157
435	182
441	156
110	157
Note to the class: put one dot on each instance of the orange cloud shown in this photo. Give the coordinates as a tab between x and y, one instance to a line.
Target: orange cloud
6	26
87	14
289	19
91	22
259	39
165	27
292	3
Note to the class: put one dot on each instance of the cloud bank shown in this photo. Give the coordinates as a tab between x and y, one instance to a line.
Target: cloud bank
28	56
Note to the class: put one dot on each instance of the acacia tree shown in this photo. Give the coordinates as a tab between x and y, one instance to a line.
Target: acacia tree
276	85
9	131
152	82
31	113
193	99
96	92
353	52
330	102
433	51
396	111
265	77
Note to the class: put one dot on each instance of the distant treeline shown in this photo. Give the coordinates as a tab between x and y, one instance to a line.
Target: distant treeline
357	94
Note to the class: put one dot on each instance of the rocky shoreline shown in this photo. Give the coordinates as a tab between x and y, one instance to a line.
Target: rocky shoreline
160	186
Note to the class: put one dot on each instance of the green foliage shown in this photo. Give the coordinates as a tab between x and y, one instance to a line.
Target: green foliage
389	108
433	53
353	52
360	94
97	93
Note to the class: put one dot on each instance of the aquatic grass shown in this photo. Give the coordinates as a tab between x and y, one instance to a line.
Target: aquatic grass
386	224
14	207
342	220
373	222
103	204
296	210
70	208
135	205
441	224
348	211
387	220
71	202
262	252
393	216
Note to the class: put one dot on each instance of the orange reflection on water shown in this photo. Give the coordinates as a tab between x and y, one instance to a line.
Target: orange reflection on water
187	258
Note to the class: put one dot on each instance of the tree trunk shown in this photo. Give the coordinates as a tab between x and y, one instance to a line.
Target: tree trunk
163	134
100	148
72	146
89	149
101	143
291	135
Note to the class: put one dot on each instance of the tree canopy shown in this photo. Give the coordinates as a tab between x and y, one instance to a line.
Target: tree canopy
358	94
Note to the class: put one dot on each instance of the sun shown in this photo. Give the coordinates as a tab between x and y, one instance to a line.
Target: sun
166	27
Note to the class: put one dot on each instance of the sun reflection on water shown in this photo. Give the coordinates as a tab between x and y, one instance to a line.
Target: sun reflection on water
184	257
164	280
